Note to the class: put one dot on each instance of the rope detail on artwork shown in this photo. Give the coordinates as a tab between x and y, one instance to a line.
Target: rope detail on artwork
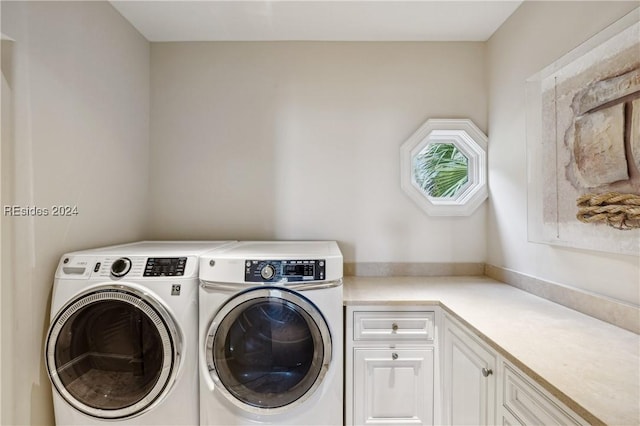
620	211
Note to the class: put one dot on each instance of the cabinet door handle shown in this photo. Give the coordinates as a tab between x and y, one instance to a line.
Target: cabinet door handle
486	372
394	356
394	327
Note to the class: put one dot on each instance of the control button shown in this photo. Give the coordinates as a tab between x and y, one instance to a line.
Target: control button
268	272
120	267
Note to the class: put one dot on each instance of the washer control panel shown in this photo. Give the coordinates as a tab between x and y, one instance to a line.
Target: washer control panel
165	266
284	270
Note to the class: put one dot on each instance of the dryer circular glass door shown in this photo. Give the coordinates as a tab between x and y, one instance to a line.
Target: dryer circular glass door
269	348
112	352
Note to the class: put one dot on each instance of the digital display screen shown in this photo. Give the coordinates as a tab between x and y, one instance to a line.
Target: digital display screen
300	270
165	266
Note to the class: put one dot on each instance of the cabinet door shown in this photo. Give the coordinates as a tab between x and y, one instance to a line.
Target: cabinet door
528	403
393	386
469	382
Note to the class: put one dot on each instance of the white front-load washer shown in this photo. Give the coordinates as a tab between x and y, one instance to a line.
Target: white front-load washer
271	334
122	344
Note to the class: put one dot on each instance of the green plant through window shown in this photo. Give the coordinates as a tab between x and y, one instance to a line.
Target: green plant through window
441	170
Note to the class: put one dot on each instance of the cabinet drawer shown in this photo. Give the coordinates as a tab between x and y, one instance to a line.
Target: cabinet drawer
393	326
529	405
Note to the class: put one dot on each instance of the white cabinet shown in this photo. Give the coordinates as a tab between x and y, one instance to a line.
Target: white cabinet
390	359
481	388
393	386
469	378
416	366
526	403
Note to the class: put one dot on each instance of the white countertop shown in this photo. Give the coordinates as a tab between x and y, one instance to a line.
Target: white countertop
590	365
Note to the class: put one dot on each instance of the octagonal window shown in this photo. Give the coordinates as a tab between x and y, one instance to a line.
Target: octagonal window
443	166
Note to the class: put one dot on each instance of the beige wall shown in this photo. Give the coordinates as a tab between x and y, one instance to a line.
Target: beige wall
535	36
80	86
301	140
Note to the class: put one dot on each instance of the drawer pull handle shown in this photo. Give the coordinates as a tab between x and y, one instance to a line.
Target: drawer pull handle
394	356
394	327
486	372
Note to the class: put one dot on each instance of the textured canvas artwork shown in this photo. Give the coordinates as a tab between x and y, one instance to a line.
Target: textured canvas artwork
598	125
590	140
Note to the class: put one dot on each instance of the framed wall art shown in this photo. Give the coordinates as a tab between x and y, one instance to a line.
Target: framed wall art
583	144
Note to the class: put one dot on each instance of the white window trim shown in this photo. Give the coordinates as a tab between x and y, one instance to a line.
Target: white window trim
467	138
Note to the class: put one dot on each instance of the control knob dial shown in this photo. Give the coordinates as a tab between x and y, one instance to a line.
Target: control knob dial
120	267
267	272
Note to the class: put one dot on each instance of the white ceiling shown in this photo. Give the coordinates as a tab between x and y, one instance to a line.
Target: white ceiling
336	20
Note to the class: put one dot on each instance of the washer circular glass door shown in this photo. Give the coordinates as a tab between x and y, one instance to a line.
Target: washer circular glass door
270	348
112	352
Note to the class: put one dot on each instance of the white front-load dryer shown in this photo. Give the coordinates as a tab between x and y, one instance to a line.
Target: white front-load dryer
271	334
122	344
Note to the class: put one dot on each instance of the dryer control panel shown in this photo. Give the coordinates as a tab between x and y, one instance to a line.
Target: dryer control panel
284	270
